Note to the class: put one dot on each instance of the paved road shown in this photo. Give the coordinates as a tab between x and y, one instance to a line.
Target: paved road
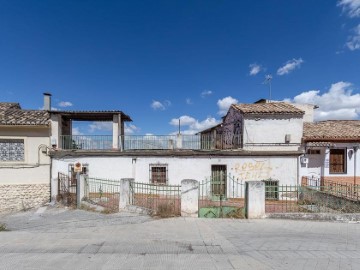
54	238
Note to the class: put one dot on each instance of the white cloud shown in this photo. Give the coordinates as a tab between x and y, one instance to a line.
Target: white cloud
188	101
336	104
289	66
255	69
193	125
352	7
206	93
76	131
354	41
225	103
104	126
65	104
157	105
130	129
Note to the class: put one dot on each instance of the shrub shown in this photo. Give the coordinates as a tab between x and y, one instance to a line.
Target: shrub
165	210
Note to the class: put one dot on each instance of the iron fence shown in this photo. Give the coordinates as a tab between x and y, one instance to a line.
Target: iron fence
86	142
103	192
162	200
66	190
310	199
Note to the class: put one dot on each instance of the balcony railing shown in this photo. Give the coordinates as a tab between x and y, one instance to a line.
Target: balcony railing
86	142
149	142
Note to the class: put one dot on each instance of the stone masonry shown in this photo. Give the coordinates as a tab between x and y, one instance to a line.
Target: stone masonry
23	197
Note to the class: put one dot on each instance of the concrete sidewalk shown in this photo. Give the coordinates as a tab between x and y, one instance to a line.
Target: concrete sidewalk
73	239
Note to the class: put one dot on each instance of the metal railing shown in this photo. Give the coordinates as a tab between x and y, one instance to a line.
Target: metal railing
162	200
86	142
309	199
103	192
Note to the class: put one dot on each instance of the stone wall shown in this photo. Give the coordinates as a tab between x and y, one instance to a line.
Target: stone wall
23	197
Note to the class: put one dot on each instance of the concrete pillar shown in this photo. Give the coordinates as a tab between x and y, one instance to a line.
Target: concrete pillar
82	188
254	199
116	131
125	192
189	198
178	141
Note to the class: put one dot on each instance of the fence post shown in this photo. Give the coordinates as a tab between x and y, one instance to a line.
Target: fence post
125	192
179	141
254	199
189	198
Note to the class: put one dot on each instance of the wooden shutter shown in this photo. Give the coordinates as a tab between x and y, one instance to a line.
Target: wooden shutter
337	161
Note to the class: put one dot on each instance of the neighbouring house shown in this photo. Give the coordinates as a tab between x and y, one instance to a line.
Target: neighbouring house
331	152
24	163
254	142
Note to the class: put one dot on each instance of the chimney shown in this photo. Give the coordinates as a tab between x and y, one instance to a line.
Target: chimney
47	101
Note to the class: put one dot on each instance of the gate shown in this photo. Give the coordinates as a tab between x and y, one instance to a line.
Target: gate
162	200
103	192
221	196
66	189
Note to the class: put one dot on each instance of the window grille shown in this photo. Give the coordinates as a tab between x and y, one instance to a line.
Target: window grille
159	174
12	150
271	189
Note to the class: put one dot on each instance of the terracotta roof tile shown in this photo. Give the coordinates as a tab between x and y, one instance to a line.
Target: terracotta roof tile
268	108
12	114
333	130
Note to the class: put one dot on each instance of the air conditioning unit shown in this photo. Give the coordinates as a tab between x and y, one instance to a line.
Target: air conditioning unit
304	160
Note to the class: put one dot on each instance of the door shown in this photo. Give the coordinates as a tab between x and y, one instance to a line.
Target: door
218	181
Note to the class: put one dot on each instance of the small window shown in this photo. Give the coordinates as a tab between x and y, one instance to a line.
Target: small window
313	151
12	150
337	161
158	173
271	189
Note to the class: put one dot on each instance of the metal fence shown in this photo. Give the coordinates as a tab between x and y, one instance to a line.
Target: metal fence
103	192
66	190
86	142
310	199
162	200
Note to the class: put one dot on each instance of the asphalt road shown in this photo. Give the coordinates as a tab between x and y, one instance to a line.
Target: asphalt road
58	238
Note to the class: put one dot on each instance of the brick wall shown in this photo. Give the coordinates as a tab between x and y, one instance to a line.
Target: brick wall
342	179
23	197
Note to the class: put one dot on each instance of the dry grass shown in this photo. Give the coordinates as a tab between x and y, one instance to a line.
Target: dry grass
165	210
2	227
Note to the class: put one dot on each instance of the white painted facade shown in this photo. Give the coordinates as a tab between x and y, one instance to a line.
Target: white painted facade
35	169
281	168
274	133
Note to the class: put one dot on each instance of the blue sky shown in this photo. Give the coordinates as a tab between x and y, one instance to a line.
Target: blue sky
161	60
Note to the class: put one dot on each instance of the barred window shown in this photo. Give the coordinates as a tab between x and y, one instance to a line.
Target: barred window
158	173
12	150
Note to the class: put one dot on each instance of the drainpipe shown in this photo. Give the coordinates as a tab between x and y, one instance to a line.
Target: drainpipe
355	152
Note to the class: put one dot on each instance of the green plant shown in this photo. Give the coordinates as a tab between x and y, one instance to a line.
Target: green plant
165	210
2	227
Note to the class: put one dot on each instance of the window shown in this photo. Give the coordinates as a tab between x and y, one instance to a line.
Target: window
158	173
12	150
271	189
337	161
218	180
313	151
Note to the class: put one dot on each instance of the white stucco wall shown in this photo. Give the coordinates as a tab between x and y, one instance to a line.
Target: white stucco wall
283	169
35	169
272	130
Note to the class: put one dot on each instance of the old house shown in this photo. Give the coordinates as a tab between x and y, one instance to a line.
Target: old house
254	142
331	152
24	163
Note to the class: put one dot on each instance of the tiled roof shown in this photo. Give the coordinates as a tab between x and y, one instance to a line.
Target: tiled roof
9	105
268	108
333	130
12	114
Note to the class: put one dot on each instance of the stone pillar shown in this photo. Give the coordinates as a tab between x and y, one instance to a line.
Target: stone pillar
125	192
82	187
254	199
116	131
179	141
189	198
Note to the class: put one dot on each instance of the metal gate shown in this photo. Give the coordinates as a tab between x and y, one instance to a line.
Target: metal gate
221	196
66	189
162	200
